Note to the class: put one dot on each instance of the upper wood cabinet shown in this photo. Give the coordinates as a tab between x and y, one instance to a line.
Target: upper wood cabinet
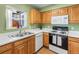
74	14
60	12
73	45
55	12
38	17
63	11
34	16
46	17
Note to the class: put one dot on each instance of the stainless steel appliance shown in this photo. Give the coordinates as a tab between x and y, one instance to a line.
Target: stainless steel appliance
58	39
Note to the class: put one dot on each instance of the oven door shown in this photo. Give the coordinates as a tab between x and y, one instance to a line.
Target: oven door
65	42
53	39
60	41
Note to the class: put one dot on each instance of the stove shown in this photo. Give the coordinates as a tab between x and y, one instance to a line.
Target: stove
58	39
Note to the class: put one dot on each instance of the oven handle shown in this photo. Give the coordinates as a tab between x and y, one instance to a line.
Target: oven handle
52	34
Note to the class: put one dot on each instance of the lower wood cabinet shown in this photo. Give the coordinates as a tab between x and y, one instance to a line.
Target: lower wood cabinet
23	46
31	45
27	46
6	49
46	39
20	49
7	52
73	45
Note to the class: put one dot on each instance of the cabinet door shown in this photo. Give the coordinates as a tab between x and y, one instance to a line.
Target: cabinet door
55	12
7	52
74	14
26	46
73	47
63	11
34	16
38	17
19	49
46	40
31	45
43	17
7	48
49	14
60	12
46	17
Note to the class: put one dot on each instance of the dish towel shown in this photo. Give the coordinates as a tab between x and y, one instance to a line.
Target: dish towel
54	39
59	41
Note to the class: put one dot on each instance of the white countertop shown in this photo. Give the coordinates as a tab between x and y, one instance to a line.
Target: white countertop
4	38
73	34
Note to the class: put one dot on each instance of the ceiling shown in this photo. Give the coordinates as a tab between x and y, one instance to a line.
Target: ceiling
41	5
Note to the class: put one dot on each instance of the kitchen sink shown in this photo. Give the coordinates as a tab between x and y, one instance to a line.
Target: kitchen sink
20	34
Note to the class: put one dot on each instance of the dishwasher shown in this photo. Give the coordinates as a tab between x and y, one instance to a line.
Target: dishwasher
38	41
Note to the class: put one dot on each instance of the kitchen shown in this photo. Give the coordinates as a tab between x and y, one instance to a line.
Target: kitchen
27	29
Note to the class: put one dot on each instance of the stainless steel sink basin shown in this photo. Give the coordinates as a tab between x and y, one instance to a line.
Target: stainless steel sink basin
20	34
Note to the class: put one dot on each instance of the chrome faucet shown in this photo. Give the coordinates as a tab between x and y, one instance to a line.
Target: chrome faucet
20	32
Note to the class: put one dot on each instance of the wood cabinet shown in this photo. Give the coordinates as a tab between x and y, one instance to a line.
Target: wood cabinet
25	46
7	49
63	11
73	45
38	17
73	14
34	16
46	17
7	52
31	45
60	12
20	49
46	39
55	12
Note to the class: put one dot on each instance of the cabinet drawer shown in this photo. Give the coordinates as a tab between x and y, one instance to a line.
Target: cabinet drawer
45	33
19	42
5	47
73	39
23	41
7	52
31	37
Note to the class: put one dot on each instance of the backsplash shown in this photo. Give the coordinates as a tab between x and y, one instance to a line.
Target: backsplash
73	27
33	26
49	26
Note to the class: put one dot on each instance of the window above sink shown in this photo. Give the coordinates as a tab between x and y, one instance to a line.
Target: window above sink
15	18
